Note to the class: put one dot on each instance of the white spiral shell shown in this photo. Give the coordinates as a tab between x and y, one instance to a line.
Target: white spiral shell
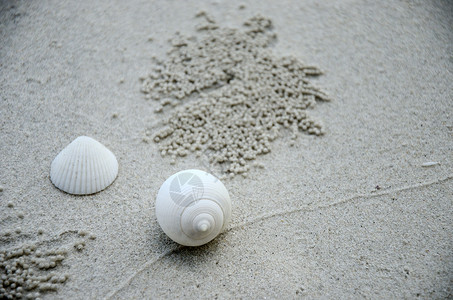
193	207
84	167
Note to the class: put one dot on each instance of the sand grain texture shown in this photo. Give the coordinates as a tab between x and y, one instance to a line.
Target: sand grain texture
350	214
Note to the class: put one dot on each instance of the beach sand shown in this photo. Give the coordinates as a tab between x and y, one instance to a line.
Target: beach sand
354	213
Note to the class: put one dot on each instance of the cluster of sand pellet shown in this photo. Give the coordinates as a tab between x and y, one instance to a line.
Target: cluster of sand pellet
24	272
243	93
31	270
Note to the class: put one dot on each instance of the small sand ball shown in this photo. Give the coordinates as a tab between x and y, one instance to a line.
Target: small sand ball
79	245
82	232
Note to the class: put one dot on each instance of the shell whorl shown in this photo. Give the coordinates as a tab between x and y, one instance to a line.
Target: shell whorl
192	207
202	220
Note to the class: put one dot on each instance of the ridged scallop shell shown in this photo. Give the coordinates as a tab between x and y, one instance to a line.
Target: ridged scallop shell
193	207
84	167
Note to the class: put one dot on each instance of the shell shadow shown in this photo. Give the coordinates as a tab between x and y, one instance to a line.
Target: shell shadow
189	257
194	258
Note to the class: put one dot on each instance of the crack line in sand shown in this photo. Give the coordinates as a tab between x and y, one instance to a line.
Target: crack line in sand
343	201
145	266
276	214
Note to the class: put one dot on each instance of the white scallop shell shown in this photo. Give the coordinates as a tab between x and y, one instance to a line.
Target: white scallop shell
193	207
84	167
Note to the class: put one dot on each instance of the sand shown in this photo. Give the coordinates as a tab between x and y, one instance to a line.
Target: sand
359	212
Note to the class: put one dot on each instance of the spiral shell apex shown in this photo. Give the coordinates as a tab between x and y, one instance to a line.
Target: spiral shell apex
193	207
84	167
